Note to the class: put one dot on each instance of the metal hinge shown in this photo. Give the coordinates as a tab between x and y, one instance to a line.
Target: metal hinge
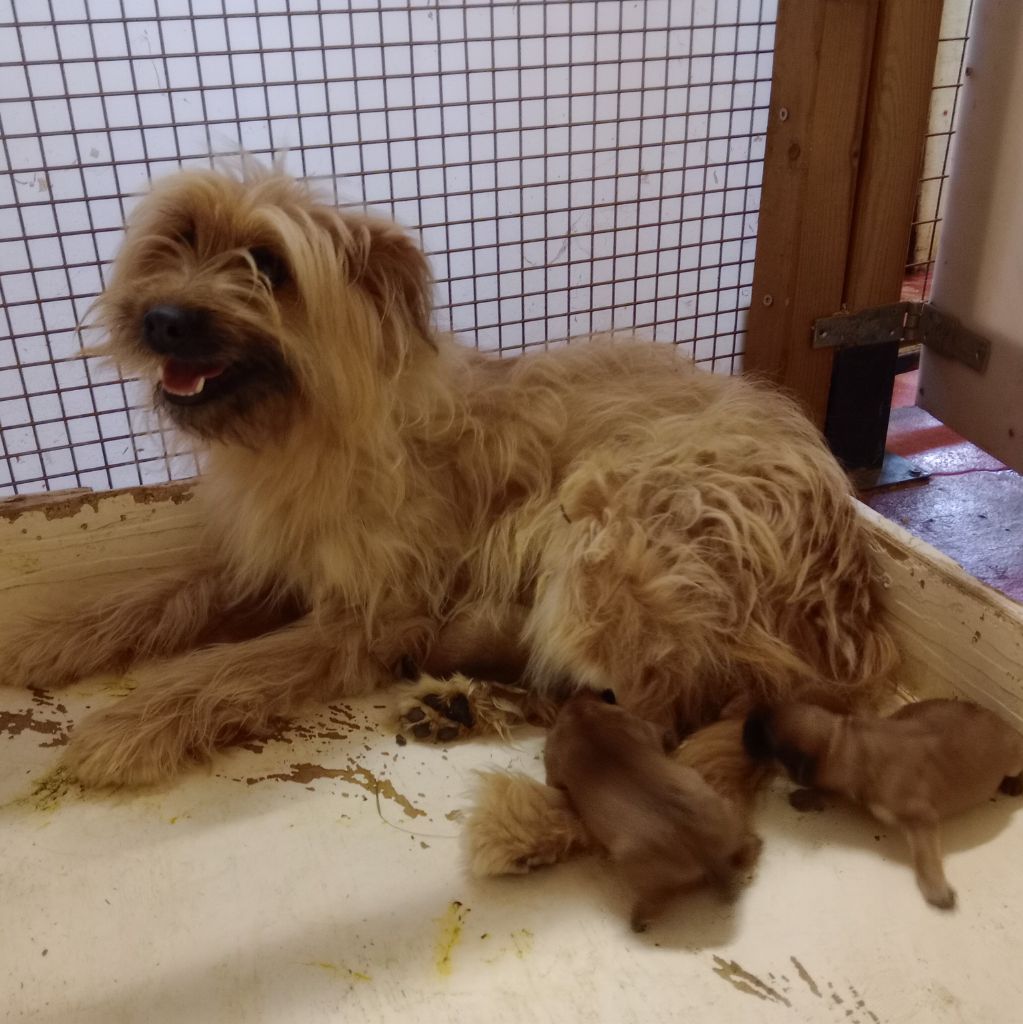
909	323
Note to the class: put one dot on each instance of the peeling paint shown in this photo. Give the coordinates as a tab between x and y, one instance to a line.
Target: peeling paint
356	774
804	974
63	505
743	981
14	723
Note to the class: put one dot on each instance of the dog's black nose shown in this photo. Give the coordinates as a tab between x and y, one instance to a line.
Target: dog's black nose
169	329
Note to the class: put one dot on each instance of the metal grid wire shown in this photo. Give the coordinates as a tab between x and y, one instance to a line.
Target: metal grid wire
949	70
572	167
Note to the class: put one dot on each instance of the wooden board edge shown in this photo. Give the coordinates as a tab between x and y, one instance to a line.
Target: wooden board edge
957	636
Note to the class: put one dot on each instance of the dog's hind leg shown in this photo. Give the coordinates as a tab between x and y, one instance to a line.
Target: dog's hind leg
184	709
925	846
153	617
613	611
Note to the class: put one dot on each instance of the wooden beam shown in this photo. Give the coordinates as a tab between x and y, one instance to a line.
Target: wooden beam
957	636
819	92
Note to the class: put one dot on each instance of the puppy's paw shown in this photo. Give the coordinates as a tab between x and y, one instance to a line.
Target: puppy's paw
639	922
804	800
1012	785
942	897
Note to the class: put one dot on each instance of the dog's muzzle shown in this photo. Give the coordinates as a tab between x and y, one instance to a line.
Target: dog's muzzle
180	336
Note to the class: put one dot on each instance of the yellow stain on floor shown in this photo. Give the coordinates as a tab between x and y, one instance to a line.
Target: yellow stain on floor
50	791
339	969
522	940
450	934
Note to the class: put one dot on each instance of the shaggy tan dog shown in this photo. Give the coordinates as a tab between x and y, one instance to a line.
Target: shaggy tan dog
602	513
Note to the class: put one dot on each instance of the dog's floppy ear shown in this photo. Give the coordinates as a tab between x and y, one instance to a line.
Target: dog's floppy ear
757	737
395	273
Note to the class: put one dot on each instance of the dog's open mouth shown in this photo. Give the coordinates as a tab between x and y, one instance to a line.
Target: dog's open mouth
187	383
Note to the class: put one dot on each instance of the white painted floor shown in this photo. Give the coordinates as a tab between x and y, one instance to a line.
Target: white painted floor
321	880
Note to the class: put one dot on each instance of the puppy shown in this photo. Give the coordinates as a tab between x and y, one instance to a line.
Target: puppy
517	823
926	762
602	511
659	821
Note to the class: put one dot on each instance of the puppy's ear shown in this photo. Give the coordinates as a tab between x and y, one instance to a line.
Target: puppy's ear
757	737
395	274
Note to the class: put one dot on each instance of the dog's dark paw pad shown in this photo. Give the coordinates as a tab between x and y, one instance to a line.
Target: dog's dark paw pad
458	710
440	717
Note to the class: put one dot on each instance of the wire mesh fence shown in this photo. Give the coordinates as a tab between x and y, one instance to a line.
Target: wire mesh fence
571	167
949	71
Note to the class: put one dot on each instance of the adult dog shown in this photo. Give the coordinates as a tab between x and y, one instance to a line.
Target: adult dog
603	514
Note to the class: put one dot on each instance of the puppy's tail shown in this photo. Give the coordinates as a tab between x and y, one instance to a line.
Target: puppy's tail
719	754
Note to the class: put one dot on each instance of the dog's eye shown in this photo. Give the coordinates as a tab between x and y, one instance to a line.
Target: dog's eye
187	237
270	265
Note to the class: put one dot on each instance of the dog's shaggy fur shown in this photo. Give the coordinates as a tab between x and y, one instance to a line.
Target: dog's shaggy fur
601	514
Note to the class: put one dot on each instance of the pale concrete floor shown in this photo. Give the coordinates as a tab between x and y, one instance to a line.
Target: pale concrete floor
320	879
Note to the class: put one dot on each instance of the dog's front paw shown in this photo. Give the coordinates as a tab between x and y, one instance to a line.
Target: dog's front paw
120	747
438	711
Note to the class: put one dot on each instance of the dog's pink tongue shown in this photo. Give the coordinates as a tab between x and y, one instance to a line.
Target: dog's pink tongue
181	378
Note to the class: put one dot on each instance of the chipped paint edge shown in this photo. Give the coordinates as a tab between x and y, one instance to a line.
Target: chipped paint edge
65	504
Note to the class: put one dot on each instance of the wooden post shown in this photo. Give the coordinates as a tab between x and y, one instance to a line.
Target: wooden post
822	62
894	134
891	156
850	96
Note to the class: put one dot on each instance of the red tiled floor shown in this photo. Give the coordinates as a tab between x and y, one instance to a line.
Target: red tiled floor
972	506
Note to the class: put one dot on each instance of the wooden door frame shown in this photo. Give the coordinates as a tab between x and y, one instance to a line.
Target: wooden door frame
850	95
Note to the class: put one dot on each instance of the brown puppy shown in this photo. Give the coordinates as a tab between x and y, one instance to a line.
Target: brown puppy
926	762
659	821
